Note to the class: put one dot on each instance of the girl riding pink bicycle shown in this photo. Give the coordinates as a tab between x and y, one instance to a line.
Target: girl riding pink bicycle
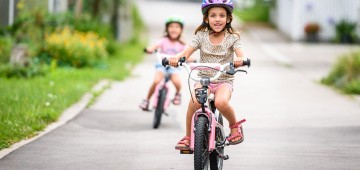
170	44
217	41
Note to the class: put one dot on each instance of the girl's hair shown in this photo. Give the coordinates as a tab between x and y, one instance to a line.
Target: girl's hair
178	38
205	26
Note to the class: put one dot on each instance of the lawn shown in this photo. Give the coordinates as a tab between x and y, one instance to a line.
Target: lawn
29	105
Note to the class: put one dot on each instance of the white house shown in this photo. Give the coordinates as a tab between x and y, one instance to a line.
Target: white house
291	16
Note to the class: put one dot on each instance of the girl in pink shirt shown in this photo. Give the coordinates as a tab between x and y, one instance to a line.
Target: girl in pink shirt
170	44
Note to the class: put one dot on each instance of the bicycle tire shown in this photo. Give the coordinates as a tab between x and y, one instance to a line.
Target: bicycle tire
201	154
216	163
159	108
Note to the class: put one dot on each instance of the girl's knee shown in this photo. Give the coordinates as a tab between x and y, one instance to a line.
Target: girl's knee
221	103
195	104
156	81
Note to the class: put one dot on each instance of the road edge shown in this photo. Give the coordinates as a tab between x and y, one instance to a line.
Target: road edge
68	114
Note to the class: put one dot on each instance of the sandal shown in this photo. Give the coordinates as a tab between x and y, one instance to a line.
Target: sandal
177	99
239	133
183	144
144	105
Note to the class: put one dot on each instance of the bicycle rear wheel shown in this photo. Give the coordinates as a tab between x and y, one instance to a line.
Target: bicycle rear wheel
201	144
159	110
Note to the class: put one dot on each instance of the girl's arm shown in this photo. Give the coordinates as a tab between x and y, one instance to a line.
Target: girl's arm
238	60
187	52
151	49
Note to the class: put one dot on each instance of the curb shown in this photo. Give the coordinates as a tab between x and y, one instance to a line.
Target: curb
65	117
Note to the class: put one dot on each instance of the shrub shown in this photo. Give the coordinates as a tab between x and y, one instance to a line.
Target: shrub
77	49
312	28
16	71
345	74
346	32
258	12
6	44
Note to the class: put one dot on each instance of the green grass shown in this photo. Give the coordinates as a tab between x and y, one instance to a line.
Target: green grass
345	74
29	105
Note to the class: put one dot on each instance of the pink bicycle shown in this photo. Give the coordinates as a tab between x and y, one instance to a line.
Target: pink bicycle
162	99
207	140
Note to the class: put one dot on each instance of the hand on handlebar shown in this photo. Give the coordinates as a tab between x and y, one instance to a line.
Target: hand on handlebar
173	61
149	51
238	61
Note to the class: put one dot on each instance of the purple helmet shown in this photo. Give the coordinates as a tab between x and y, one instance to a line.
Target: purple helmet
207	4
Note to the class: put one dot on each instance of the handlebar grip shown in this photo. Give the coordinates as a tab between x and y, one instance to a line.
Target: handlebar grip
247	62
165	62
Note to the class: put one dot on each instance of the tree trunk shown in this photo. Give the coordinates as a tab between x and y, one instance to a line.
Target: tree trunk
78	8
96	7
115	16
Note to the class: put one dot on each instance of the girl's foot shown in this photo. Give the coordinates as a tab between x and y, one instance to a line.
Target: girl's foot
144	105
183	144
236	136
177	99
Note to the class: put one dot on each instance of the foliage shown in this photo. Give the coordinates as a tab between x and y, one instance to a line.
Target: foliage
345	74
29	105
312	28
259	12
10	71
346	31
6	44
77	49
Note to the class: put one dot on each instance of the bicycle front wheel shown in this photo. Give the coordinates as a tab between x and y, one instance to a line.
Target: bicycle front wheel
159	108
201	144
216	163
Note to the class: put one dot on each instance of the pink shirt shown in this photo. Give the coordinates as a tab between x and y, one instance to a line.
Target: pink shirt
170	47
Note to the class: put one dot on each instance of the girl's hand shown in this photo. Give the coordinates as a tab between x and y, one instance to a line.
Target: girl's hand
148	51
238	61
173	61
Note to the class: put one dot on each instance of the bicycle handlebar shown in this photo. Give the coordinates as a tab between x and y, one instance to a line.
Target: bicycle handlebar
209	66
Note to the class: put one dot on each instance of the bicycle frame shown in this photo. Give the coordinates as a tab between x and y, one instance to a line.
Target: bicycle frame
205	111
163	84
210	138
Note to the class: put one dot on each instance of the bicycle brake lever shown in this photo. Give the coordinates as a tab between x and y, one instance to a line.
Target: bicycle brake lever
231	71
241	71
182	60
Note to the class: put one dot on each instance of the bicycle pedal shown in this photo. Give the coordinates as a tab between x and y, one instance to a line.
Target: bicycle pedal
224	157
186	152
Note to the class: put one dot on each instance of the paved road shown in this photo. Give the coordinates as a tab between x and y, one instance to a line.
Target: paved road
293	122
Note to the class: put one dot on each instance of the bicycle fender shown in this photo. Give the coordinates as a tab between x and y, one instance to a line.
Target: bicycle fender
212	121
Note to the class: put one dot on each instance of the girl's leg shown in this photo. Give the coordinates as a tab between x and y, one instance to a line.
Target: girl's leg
158	77
144	105
222	98
175	78
192	107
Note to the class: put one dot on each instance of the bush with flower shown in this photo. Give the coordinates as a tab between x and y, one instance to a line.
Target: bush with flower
312	28
76	49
